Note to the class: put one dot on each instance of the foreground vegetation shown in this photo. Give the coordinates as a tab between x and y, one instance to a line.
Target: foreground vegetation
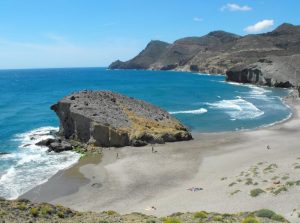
25	211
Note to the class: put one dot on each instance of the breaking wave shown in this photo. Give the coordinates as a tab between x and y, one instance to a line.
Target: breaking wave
197	111
32	164
237	109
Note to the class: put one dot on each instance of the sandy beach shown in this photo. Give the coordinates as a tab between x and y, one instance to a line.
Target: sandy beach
213	172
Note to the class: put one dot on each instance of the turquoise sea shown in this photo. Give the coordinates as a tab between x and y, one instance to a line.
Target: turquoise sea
202	102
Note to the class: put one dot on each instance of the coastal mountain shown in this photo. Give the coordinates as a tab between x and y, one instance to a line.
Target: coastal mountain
268	59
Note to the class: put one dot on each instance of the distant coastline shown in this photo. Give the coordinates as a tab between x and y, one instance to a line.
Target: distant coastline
268	59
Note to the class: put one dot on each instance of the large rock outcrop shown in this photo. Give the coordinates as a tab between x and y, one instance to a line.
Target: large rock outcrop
278	71
104	118
221	52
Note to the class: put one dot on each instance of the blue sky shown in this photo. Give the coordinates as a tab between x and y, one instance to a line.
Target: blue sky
87	33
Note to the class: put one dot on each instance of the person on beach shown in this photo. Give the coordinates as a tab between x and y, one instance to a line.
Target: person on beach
268	147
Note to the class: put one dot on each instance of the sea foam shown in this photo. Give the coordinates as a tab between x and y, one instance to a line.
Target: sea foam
237	109
197	111
32	164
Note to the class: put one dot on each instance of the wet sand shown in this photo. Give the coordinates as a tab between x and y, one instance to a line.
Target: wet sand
139	178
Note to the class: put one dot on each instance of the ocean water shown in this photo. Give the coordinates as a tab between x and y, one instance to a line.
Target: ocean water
202	102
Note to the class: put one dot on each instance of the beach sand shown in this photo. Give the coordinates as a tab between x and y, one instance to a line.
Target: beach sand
226	166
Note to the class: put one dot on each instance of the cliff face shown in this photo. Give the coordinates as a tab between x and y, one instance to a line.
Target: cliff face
103	118
220	52
277	71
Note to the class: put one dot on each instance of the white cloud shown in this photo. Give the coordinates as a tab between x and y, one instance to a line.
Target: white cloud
198	19
235	7
260	26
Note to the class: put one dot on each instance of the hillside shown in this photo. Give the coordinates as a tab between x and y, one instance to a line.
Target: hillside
221	52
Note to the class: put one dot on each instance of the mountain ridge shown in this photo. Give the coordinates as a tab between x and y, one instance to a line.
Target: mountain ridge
221	52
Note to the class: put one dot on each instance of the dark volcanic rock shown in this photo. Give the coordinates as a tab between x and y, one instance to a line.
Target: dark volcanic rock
57	145
60	146
108	119
45	142
244	59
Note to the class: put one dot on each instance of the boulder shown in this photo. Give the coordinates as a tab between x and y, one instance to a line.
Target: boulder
45	142
104	118
60	146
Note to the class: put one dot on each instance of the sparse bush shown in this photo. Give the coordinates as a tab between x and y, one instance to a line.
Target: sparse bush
172	220
218	218
34	212
111	212
250	220
21	206
200	214
277	217
2	213
176	214
231	184
290	183
256	192
61	214
265	213
235	192
249	181
46	209
279	190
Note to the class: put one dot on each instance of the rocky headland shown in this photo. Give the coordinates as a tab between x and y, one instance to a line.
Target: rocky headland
271	58
107	119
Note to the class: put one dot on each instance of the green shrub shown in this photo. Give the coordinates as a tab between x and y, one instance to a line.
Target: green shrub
61	214
111	212
250	220
290	183
279	190
200	214
256	192
265	213
2	213
218	218
226	215
172	220
249	181
46	209
235	192
21	206
34	212
231	184
277	217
